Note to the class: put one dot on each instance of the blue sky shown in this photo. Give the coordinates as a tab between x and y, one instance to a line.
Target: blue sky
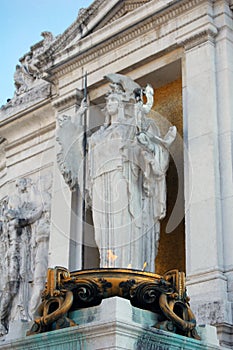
22	22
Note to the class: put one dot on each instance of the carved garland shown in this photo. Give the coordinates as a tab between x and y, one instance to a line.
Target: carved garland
164	295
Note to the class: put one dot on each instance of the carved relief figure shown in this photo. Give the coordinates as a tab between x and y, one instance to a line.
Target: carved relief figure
10	271
126	168
21	223
29	67
40	245
48	39
20	84
3	241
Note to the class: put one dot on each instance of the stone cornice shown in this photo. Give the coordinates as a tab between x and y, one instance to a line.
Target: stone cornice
77	29
32	136
162	16
119	11
87	20
198	36
22	103
206	277
68	100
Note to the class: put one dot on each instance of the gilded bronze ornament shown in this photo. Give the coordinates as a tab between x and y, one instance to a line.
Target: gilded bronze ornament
68	291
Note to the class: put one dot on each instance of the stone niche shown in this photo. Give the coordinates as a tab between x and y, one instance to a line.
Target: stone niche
167	111
168	107
168	102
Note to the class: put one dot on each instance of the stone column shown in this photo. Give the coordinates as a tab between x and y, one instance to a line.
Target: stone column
224	71
66	227
207	283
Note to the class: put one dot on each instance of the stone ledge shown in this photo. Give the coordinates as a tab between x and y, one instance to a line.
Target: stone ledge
114	324
225	334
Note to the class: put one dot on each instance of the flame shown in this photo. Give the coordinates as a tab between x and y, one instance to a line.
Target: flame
111	255
129	266
144	266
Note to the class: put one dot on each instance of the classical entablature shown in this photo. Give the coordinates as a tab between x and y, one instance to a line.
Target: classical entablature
156	28
99	14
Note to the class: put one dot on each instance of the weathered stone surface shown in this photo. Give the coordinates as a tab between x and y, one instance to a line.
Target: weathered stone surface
24	229
114	324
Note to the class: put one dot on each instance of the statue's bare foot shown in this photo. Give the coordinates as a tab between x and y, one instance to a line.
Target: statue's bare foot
3	330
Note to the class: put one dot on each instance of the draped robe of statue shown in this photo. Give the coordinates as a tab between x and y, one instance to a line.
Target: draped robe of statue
126	169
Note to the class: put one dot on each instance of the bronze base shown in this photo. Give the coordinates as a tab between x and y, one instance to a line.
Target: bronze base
68	291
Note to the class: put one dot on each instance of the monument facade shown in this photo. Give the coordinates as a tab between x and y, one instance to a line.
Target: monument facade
184	50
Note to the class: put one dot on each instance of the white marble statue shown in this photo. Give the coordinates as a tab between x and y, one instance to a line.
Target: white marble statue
19	80
127	160
28	74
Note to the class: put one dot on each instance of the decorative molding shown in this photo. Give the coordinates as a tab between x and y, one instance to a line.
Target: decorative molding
201	277
98	334
197	37
31	156
225	334
68	100
32	136
23	101
163	16
67	291
120	10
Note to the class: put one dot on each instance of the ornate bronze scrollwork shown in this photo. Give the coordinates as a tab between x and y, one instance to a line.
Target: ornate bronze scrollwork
164	295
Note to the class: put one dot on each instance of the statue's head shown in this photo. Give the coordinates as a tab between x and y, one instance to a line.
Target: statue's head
62	119
22	184
113	101
124	86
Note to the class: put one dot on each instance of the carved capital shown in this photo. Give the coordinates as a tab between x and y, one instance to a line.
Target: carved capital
63	102
198	36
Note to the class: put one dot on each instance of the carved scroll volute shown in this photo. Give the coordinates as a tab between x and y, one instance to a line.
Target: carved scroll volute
55	277
175	307
56	302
